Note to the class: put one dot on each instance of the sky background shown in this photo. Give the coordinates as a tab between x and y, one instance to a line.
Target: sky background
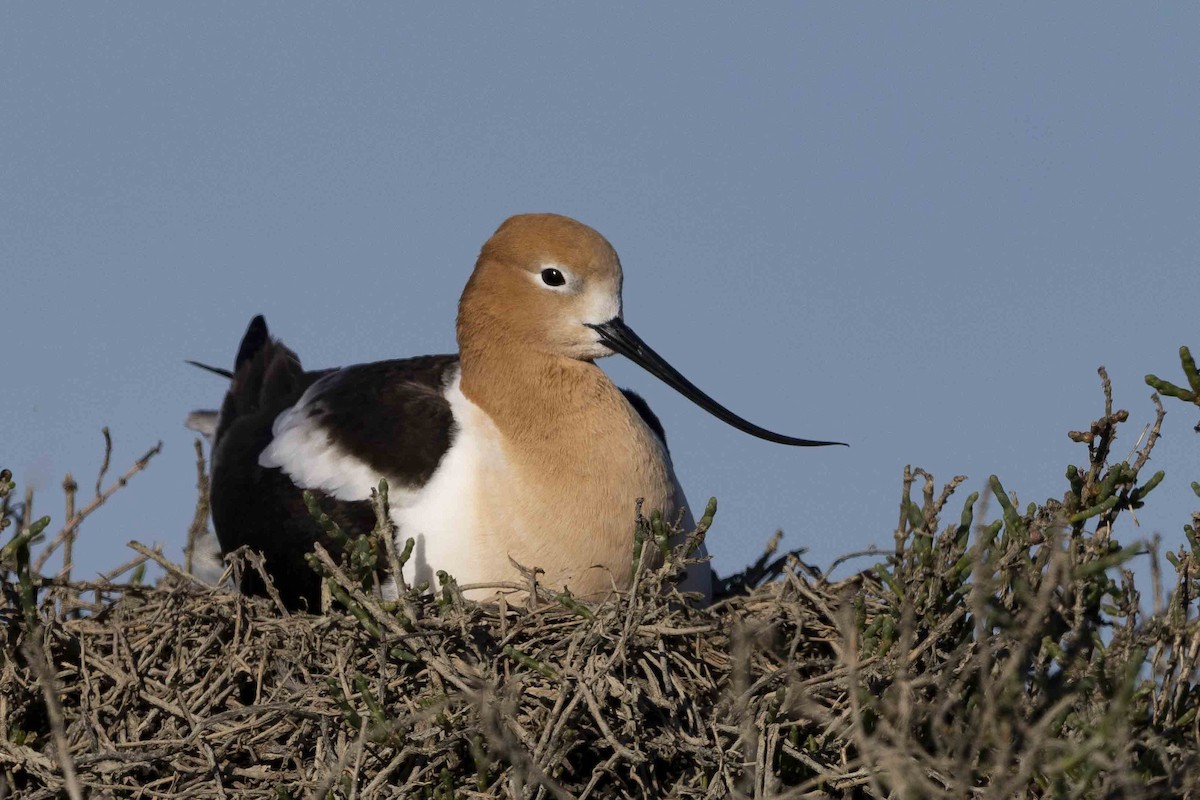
916	230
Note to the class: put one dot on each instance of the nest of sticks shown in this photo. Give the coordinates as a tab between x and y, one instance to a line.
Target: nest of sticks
185	690
789	687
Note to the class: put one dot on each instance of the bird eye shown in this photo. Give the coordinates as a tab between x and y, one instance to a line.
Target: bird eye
552	277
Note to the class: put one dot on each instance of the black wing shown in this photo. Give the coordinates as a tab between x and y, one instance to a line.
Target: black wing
392	415
362	408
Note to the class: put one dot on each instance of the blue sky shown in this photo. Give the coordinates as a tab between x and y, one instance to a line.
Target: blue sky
918	230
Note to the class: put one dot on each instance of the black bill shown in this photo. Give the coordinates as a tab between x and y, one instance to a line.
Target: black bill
617	335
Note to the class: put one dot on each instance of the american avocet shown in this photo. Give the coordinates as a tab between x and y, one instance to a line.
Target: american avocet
519	448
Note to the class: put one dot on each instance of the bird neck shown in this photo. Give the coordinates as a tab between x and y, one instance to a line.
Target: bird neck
537	397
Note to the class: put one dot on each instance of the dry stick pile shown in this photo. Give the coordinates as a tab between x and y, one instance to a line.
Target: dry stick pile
178	690
1000	660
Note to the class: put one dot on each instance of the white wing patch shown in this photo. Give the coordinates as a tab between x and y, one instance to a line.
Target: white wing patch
301	448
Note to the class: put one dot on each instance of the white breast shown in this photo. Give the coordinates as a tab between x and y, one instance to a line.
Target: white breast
445	518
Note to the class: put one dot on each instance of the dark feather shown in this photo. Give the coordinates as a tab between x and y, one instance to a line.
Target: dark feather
648	416
224	373
261	507
256	338
408	424
403	435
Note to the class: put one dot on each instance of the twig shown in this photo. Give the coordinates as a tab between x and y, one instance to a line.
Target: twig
133	563
199	524
332	775
40	662
101	497
107	458
69	489
837	562
155	555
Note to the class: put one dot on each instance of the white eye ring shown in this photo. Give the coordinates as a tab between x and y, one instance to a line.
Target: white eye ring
556	278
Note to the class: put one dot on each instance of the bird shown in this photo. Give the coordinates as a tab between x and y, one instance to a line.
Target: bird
517	450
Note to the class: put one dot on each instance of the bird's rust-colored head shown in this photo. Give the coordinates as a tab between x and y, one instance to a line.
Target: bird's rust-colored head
539	283
548	286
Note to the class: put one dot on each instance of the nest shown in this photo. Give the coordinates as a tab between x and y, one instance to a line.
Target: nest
181	690
794	687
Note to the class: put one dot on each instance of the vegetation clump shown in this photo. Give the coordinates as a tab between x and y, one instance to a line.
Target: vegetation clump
1003	658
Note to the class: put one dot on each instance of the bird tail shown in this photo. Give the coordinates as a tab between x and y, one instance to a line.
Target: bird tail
266	377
